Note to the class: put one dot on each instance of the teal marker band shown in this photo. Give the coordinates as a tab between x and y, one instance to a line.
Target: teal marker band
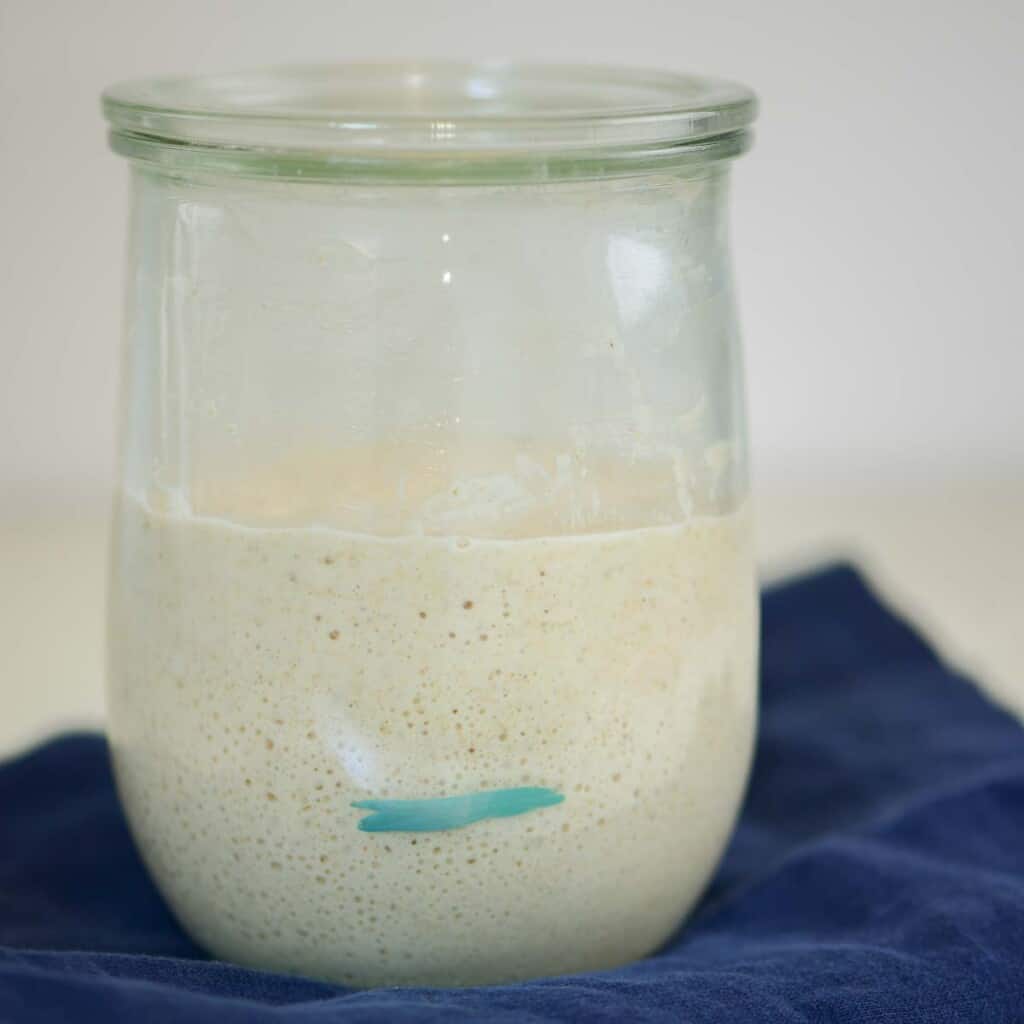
447	812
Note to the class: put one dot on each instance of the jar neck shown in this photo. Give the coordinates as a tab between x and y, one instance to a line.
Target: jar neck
496	167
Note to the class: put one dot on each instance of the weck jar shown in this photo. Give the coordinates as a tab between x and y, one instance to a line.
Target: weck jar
433	621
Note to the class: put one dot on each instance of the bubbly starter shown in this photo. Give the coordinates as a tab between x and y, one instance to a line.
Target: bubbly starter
266	677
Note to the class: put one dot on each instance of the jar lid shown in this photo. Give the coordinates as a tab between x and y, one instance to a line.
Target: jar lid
434	121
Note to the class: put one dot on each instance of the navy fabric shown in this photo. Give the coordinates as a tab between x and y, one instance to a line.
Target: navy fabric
877	873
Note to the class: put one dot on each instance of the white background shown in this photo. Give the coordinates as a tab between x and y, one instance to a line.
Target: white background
877	221
877	224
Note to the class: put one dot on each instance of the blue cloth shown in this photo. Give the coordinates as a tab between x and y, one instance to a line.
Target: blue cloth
877	873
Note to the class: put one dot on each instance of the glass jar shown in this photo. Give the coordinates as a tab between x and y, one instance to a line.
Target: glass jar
432	610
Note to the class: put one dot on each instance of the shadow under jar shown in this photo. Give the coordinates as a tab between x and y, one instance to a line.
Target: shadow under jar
432	628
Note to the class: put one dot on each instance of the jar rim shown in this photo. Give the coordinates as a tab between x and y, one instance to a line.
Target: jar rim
423	120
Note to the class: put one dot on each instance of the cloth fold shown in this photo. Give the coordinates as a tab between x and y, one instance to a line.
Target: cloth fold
877	873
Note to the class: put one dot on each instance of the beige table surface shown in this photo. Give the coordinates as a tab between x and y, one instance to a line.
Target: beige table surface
952	557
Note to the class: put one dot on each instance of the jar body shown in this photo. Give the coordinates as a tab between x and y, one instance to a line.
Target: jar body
432	615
